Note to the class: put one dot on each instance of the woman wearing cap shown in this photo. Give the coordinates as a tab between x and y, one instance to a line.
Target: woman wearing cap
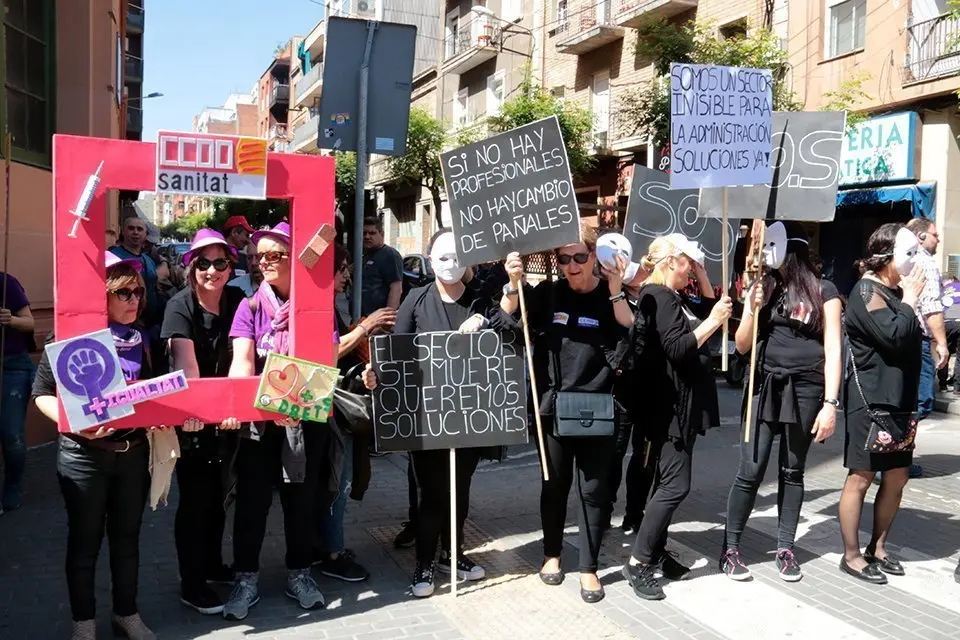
103	474
675	400
281	453
798	372
577	322
196	325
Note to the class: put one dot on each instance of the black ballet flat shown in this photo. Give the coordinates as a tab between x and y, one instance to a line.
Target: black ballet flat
592	597
871	573
889	565
552	579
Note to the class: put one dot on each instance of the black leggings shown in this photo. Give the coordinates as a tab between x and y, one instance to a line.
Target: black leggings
639	476
795	442
590	458
674	458
198	527
432	469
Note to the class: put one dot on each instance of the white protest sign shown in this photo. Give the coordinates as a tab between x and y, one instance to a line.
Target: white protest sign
720	126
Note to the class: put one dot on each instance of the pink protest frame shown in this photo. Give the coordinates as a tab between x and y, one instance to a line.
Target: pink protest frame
79	274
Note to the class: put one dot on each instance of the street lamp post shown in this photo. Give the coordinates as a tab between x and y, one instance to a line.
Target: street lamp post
125	102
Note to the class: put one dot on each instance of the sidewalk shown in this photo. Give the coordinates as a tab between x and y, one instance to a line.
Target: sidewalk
503	530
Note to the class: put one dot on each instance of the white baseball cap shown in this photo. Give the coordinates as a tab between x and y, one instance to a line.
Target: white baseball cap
686	246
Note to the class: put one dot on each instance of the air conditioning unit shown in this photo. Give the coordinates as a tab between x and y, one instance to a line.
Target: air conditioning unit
367	9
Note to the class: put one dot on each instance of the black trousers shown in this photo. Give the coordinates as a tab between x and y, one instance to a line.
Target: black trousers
259	470
640	473
103	490
674	458
589	460
198	528
432	469
412	496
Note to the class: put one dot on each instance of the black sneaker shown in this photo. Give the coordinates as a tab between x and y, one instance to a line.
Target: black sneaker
630	526
733	566
644	584
788	566
220	575
343	567
671	568
467	569
407	536
203	599
422	585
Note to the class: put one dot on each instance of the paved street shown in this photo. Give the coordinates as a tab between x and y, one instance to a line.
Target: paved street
504	532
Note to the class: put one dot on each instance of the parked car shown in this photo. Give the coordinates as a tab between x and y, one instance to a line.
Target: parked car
173	251
416	272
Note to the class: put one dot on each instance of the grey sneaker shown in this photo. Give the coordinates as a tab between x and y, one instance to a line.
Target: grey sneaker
245	594
302	588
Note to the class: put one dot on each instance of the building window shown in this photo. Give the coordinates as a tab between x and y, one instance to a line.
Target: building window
460	107
29	66
846	26
451	33
600	102
495	92
559	22
734	30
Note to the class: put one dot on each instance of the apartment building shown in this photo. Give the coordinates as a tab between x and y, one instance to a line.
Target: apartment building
133	69
273	100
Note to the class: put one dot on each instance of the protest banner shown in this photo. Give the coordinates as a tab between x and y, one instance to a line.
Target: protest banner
654	210
511	192
806	172
296	388
79	274
448	390
720	121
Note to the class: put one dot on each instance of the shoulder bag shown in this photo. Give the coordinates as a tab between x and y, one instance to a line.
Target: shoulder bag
890	431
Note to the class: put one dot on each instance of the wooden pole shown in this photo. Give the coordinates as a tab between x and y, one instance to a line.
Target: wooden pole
724	347
758	265
533	383
453	523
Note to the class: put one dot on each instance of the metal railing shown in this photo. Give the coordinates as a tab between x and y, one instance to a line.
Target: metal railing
593	14
133	68
280	93
134	18
933	48
134	118
470	34
278	131
308	80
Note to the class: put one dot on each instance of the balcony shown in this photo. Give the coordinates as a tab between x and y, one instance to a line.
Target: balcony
474	42
932	49
134	18
133	68
280	95
632	13
595	28
313	43
378	171
305	136
278	131
134	119
308	87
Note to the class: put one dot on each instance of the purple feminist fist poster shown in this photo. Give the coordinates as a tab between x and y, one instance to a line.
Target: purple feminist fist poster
87	370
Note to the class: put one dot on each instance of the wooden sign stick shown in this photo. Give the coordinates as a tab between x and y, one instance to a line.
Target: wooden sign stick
724	347
759	229
533	383
453	523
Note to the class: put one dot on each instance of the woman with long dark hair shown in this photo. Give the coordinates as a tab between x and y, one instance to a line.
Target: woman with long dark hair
885	340
798	370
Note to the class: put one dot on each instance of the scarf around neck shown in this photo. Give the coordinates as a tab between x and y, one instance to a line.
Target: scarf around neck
279	314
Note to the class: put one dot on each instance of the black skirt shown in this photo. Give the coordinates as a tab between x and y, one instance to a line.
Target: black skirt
855	457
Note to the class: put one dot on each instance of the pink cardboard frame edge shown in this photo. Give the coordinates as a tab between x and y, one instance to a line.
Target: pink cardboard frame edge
79	275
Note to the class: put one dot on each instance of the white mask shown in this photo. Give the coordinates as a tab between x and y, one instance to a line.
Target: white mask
905	248
611	245
775	245
443	259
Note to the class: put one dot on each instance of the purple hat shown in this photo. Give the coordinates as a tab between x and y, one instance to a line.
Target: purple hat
207	238
111	259
280	232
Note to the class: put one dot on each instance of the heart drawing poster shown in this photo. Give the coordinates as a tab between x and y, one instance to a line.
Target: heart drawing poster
296	388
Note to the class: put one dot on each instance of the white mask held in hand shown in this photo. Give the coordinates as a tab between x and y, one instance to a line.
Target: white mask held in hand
775	245
905	248
611	245
443	259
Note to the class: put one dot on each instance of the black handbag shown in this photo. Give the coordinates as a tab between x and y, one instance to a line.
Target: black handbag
583	415
890	431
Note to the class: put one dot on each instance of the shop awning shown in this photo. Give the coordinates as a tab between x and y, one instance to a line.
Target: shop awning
922	197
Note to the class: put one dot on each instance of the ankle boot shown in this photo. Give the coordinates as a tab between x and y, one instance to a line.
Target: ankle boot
84	630
132	627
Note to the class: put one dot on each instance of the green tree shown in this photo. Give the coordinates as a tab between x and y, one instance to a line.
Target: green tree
533	102
345	187
420	165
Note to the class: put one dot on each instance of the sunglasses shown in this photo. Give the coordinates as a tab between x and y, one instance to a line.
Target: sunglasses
220	264
344	268
126	294
566	258
272	257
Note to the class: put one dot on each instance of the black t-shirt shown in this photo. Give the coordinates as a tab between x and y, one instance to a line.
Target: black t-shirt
423	310
381	268
787	338
185	318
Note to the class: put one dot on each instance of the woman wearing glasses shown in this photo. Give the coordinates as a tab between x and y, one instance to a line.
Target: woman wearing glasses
196	325
281	453
578	322
103	474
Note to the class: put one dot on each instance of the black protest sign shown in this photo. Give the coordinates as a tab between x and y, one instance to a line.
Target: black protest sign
806	172
511	192
448	390
654	210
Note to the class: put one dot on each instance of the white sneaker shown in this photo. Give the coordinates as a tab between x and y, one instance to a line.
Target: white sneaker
422	586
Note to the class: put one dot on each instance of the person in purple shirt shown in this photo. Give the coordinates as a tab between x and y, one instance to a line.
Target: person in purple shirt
16	329
287	452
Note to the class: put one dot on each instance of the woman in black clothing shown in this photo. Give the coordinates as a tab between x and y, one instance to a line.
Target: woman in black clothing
577	322
196	324
103	473
676	395
885	341
798	369
446	305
